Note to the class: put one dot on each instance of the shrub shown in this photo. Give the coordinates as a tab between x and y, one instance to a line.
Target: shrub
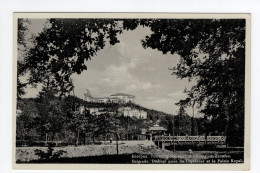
50	154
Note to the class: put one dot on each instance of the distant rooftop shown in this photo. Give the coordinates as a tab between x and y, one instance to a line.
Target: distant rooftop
157	128
116	99
103	98
122	94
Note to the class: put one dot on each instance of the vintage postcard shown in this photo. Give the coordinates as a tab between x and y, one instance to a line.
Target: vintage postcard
131	91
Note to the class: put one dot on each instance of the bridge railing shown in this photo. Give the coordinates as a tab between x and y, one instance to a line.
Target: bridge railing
190	138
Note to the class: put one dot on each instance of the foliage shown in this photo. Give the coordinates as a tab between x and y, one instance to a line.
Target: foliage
183	122
22	52
212	55
50	154
105	124
52	114
22	31
219	74
64	46
76	126
25	120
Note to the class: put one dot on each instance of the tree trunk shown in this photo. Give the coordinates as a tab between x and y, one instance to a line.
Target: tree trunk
226	129
77	140
227	119
179	123
46	137
53	136
93	137
206	140
106	138
117	151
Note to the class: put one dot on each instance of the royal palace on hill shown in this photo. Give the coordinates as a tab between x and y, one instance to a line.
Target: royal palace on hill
115	98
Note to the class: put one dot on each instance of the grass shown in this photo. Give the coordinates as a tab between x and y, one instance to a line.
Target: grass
106	153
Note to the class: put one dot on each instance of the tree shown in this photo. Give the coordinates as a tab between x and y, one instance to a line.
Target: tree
22	52
26	120
52	113
78	125
105	125
22	31
63	48
184	121
219	74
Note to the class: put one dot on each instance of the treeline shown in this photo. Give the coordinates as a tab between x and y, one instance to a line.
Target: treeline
183	123
48	118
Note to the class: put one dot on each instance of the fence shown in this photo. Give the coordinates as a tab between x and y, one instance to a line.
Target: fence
221	139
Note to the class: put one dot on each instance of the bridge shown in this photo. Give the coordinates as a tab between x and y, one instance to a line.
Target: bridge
163	141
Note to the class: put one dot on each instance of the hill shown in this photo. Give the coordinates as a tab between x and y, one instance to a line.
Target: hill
182	123
152	114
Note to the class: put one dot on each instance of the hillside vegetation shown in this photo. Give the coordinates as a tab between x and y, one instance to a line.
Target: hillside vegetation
49	118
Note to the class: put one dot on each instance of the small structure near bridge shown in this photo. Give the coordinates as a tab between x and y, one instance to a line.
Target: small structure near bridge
154	131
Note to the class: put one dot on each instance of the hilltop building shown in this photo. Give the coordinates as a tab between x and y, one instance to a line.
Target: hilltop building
131	112
125	97
125	111
115	98
94	110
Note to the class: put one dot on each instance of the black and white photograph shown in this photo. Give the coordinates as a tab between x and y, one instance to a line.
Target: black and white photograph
131	89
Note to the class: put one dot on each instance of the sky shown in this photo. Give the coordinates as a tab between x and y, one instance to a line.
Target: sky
128	68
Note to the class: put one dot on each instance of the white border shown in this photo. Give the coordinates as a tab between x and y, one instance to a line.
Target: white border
7	7
244	166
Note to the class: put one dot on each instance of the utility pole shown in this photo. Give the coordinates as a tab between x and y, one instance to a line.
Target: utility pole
173	126
127	126
173	135
193	124
46	137
227	121
116	133
179	123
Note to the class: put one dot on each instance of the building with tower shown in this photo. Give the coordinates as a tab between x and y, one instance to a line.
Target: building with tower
88	97
115	98
125	97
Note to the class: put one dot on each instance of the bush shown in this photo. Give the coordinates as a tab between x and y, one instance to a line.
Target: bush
50	154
